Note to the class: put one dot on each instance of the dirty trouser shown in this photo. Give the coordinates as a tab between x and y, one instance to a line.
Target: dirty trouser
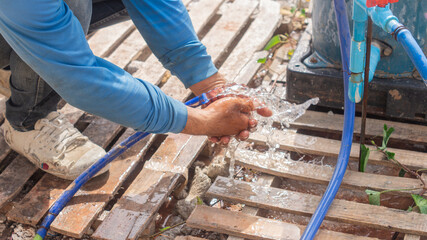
31	97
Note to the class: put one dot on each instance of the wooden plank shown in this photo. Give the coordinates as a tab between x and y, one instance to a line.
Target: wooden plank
241	225
304	204
333	123
411	237
218	39
213	219
257	35
13	178
265	180
105	40
322	174
291	141
201	12
189	238
128	50
137	204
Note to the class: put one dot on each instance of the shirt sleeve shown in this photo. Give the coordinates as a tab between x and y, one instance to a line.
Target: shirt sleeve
49	38
168	31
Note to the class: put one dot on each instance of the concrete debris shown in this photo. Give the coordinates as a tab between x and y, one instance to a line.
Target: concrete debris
184	207
21	232
199	185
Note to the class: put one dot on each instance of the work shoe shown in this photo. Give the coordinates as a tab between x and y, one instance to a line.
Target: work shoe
55	146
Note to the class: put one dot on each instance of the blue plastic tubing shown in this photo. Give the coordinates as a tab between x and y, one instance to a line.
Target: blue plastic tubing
66	196
347	136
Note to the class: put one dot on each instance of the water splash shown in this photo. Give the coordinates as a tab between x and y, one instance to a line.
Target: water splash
284	113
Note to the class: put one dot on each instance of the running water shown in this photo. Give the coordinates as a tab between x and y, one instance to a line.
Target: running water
284	113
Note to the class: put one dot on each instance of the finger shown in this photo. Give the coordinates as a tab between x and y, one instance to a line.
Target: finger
243	135
265	112
252	123
224	140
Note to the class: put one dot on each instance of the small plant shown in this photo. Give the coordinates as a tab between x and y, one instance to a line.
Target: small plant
375	196
274	41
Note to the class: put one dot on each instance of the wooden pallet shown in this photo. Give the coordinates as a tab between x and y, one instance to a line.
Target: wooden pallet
236	31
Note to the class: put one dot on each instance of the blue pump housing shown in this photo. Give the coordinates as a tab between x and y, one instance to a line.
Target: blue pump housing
411	13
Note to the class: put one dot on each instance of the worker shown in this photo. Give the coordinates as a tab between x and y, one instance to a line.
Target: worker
43	42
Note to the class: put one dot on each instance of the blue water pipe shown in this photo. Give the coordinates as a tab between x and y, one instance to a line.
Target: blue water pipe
384	18
347	136
66	196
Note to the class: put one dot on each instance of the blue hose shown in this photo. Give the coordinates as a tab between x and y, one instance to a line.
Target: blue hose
347	136
66	196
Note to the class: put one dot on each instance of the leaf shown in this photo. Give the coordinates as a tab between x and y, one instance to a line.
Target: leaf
402	172
291	52
303	12
273	42
164	229
262	60
409	209
374	197
420	202
293	9
386	136
364	157
199	201
390	155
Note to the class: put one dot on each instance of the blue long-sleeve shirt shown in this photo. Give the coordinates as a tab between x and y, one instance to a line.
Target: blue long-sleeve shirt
49	38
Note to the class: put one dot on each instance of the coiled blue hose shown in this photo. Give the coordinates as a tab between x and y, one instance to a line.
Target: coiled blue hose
347	136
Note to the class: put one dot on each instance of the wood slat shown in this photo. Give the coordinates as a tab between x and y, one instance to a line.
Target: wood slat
241	225
260	30
14	177
333	123
411	237
322	174
253	227
105	40
138	204
189	238
299	203
128	50
304	144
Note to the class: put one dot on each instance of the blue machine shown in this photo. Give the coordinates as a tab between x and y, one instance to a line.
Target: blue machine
397	90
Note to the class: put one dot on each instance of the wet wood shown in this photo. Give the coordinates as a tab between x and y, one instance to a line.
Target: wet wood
307	172
4	147
257	35
305	144
89	202
105	40
304	204
333	123
213	219
241	225
132	213
14	177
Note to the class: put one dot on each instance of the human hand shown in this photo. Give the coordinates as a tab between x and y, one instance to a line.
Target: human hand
228	116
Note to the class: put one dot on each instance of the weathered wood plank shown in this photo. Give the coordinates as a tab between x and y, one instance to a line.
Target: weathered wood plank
128	50
13	178
104	41
305	144
299	203
213	219
137	204
257	35
241	225
333	123
189	238
322	174
411	237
